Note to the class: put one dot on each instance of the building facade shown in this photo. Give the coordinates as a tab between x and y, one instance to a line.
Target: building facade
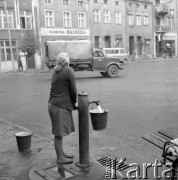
107	23
165	20
63	20
21	17
139	29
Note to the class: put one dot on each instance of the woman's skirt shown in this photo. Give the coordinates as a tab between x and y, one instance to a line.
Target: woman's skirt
61	120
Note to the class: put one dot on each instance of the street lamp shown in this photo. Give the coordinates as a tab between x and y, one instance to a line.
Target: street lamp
9	34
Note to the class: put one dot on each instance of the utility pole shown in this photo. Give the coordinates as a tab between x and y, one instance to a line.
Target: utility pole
9	34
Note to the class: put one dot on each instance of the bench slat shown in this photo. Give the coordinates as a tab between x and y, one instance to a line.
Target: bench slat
168	134
163	136
154	141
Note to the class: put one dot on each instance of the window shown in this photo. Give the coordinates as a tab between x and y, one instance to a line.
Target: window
138	20
138	7
131	19
5	50
118	17
81	20
145	6
80	2
66	2
95	1
49	18
96	14
67	20
105	1
145	20
117	3
3	19
48	1
130	4
106	16
25	20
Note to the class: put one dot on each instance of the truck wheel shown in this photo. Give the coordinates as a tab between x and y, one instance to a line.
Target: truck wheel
104	74
113	71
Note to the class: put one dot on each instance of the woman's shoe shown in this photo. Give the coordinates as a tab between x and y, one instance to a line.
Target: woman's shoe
68	155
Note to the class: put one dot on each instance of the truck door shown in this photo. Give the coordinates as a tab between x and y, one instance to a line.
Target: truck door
99	60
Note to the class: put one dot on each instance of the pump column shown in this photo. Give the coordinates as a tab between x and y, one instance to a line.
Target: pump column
83	104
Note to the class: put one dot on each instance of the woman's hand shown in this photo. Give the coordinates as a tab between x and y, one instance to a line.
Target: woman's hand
76	105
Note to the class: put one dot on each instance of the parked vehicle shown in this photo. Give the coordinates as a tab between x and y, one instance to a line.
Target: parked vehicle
82	57
117	53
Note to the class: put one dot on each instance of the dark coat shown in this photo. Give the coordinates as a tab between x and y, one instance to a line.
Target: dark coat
63	89
19	62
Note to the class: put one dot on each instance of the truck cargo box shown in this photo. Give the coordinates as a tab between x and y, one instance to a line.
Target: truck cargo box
79	50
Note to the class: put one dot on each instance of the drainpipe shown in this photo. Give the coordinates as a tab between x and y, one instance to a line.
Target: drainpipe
9	34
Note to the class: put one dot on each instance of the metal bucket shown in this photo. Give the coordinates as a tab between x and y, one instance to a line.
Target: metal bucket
23	140
99	119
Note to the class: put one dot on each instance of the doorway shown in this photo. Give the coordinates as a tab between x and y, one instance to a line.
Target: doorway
107	41
131	45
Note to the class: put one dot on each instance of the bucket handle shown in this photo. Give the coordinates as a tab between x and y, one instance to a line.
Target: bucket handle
98	102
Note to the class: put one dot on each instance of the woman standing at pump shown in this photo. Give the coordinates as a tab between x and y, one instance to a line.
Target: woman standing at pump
62	100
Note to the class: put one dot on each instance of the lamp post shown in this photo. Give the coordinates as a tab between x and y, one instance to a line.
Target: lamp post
9	34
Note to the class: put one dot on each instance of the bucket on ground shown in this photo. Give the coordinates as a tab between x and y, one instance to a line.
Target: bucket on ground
99	119
23	140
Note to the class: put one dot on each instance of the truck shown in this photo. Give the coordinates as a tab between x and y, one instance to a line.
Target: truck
82	57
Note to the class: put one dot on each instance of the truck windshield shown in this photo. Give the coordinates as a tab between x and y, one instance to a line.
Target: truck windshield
98	54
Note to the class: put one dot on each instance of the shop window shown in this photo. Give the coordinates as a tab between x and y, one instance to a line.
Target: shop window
5	50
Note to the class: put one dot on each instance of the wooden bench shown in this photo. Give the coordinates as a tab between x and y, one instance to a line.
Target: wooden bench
162	140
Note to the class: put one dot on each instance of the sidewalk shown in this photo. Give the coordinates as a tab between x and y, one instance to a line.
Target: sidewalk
28	72
16	165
